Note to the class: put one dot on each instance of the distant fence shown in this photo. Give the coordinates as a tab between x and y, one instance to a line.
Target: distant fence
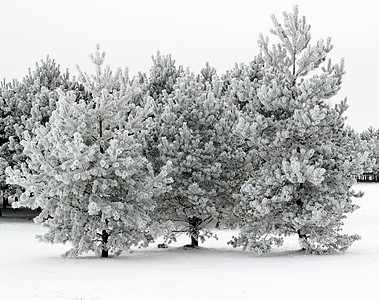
368	177
7	201
7	211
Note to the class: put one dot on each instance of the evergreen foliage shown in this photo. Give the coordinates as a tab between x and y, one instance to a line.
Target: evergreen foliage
163	76
371	137
87	171
195	132
26	105
242	82
114	162
309	158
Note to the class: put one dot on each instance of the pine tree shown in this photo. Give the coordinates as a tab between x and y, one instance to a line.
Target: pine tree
371	137
86	170
163	76
26	105
242	82
14	108
5	155
195	132
309	159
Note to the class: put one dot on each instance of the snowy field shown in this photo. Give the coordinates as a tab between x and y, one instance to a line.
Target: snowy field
33	270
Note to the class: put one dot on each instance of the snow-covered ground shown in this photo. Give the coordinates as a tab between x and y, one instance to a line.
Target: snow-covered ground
33	270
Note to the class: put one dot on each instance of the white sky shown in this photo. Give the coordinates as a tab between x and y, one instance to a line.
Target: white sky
193	32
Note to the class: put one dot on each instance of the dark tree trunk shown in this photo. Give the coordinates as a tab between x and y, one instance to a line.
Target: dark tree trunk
15	200
300	204
5	202
104	237
194	241
104	253
302	236
194	223
104	234
101	134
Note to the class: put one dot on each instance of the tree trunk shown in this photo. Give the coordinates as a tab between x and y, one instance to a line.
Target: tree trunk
5	202
300	204
301	235
194	223
104	234
104	253
104	237
101	134
194	241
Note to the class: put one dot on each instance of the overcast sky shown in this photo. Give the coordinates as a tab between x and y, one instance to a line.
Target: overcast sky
193	32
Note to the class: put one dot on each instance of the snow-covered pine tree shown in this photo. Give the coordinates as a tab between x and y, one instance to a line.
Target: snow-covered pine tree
26	105
44	83
14	108
163	75
371	137
242	82
309	160
206	74
6	92
241	86
85	168
195	132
